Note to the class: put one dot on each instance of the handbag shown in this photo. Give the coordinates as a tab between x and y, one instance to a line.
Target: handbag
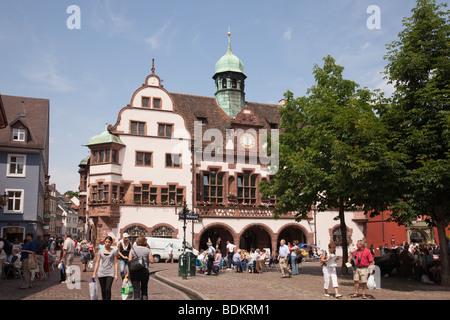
127	289
93	290
136	264
32	263
371	284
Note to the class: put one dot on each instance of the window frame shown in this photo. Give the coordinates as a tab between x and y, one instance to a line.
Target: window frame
143	165
19	131
154	104
172	164
8	166
165	125
213	185
138	129
6	209
149	102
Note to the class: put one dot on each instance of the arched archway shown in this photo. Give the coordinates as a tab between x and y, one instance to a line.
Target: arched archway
257	237
292	232
219	234
134	231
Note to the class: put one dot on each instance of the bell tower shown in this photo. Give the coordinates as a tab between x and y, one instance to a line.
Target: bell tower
230	82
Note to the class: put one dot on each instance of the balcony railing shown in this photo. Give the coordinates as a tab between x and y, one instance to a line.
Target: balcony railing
238	212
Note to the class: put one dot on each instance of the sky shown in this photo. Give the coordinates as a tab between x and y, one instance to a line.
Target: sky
89	73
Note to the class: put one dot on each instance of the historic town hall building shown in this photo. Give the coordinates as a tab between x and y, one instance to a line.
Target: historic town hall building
167	148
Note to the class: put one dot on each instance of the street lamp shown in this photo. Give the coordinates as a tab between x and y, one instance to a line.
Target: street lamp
5	198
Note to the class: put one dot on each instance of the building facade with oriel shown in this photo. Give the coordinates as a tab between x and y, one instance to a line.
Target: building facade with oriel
167	149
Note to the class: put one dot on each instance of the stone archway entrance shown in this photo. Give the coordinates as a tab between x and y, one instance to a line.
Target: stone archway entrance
219	235
256	237
291	233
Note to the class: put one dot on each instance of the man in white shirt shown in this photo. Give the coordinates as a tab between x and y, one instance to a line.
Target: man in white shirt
67	256
283	257
230	251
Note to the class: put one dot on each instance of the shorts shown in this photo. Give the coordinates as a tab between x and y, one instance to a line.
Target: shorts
361	275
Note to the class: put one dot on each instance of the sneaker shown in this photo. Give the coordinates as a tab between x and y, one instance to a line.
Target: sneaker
326	295
338	295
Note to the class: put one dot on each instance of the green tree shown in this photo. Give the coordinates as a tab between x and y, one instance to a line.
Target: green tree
333	151
418	118
70	194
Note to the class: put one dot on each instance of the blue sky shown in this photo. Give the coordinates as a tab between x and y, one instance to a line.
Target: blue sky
89	74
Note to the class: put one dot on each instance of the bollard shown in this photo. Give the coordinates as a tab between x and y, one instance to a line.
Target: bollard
377	276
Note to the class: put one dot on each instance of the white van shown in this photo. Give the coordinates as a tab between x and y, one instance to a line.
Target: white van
160	248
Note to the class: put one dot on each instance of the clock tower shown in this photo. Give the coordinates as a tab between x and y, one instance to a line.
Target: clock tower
230	82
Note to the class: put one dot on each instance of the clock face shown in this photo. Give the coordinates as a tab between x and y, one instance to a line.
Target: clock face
247	140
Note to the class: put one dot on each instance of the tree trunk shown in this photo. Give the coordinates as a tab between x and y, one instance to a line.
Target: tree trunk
343	226
445	266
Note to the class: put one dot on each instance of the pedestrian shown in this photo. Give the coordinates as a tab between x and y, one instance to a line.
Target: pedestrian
363	261
91	251
283	256
294	254
230	252
101	245
329	262
67	255
211	255
123	251
41	246
28	251
170	253
107	268
3	255
84	254
237	261
139	279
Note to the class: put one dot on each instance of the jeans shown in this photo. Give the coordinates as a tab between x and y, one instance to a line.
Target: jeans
123	267
139	280
230	259
105	285
294	265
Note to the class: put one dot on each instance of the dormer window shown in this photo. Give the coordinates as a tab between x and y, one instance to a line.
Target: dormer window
19	134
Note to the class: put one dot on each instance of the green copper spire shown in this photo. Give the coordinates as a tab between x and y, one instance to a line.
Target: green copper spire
229	62
230	82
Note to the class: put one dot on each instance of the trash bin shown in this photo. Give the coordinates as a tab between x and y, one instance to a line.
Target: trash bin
190	264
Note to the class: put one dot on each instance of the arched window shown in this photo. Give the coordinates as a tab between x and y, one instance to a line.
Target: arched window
135	232
224	83
163	232
234	83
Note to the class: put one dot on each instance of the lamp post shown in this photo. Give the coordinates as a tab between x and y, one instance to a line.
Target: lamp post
183	260
5	198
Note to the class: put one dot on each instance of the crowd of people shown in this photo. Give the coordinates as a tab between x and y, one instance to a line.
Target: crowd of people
35	258
417	261
288	257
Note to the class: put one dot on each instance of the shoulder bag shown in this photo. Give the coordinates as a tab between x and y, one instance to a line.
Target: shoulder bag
136	264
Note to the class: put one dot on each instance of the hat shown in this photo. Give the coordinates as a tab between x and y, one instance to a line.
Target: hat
125	235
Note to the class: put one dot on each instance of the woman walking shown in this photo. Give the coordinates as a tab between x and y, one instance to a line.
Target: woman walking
107	266
84	254
139	279
328	261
